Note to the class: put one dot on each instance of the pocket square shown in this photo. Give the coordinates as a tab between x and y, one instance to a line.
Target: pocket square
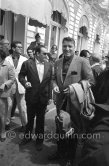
73	72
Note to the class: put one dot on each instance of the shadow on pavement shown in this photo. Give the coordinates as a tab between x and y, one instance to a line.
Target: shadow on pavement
27	155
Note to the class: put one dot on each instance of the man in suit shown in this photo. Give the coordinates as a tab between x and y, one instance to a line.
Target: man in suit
16	59
68	70
38	93
96	148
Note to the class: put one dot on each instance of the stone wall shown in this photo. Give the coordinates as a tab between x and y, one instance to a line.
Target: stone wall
78	8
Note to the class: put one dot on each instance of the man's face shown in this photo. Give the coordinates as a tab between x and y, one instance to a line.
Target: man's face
6	45
53	49
68	48
30	53
18	48
43	54
38	38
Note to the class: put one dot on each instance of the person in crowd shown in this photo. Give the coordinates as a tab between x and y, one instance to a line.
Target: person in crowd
37	41
85	54
5	46
96	149
96	66
38	93
16	59
68	70
53	54
52	58
7	78
30	52
101	88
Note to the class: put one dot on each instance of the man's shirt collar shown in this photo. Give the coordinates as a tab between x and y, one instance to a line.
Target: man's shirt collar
14	57
38	62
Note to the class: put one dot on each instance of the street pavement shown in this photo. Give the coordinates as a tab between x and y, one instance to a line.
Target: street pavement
11	154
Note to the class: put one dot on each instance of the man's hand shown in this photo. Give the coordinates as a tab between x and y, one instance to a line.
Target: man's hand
56	89
50	101
28	85
2	87
66	91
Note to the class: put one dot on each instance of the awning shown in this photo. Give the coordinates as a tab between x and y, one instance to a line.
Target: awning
61	7
39	10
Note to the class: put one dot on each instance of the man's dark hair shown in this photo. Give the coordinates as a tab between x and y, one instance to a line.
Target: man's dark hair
54	45
69	39
30	48
83	53
14	43
2	54
37	35
38	49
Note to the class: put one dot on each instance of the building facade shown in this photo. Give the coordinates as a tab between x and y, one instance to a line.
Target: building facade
86	26
74	18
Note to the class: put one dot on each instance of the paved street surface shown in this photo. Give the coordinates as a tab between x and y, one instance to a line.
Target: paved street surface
11	154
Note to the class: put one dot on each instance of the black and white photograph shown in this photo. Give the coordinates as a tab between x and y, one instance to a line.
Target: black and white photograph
54	82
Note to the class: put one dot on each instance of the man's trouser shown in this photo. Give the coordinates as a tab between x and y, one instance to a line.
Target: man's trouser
21	104
3	114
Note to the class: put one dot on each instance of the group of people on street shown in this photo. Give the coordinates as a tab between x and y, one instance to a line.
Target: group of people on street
30	83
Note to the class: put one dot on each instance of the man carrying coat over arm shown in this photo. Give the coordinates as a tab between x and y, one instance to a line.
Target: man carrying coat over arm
68	70
38	92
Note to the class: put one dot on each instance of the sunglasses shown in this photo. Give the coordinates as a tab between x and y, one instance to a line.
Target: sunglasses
19	47
45	53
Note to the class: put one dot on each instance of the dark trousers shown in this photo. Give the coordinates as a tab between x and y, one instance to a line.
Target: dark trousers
67	147
13	107
38	110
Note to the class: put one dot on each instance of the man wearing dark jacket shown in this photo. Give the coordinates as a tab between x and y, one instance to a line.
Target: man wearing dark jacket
38	92
95	151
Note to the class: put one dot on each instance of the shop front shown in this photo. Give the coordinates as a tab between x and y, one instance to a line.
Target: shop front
15	14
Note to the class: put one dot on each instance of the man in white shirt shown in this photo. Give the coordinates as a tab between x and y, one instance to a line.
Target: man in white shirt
16	59
38	92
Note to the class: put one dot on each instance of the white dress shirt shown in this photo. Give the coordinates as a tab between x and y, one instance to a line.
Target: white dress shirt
40	69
